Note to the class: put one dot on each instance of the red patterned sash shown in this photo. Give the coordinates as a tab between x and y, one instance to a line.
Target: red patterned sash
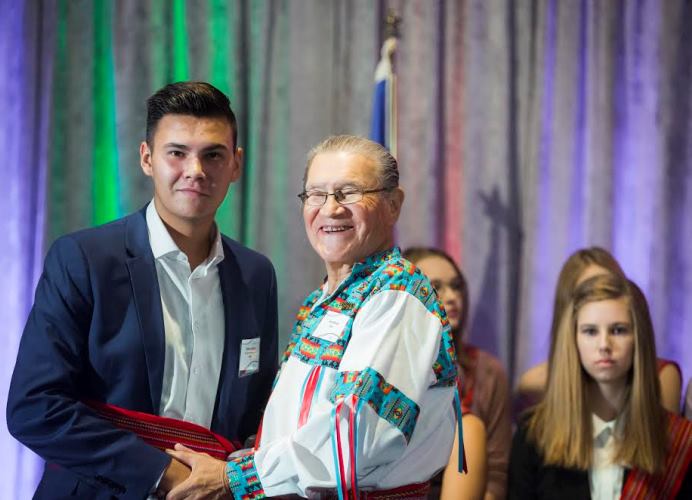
164	432
641	485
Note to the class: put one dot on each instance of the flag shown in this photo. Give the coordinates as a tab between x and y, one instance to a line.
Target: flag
383	126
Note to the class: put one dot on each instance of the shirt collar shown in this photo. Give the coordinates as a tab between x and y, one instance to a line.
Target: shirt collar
216	250
602	430
372	262
360	269
162	244
160	239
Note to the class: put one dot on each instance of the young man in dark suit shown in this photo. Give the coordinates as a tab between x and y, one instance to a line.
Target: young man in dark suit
156	312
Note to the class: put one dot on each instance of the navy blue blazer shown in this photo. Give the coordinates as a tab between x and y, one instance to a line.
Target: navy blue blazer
96	332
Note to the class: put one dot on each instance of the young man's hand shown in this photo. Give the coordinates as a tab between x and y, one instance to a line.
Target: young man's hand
175	473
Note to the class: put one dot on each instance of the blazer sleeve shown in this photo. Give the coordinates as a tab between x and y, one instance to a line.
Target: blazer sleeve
44	409
524	462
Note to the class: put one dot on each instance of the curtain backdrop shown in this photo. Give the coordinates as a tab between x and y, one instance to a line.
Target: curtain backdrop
527	129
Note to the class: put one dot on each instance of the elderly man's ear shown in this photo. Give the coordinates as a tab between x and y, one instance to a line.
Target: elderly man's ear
394	202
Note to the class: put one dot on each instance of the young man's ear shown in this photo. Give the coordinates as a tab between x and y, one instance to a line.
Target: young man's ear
145	158
237	164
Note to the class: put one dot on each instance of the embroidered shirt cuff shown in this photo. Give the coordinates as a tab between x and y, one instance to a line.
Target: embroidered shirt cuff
243	478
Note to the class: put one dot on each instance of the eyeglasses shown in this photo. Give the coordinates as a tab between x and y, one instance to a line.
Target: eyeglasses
341	196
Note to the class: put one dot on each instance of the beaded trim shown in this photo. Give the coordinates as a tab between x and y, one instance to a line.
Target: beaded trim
243	478
383	271
386	400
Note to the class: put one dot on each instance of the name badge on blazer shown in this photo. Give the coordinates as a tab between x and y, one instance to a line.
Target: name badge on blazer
249	357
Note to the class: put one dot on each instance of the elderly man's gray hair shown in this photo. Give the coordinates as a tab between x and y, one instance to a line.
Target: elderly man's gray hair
387	165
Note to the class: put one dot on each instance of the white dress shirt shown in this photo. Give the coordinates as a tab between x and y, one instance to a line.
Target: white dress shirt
193	320
605	477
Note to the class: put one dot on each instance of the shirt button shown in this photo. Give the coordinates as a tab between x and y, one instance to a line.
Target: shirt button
195	371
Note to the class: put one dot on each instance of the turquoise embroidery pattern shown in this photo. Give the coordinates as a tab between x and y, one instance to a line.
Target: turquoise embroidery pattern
386	400
383	271
445	366
243	478
302	315
313	350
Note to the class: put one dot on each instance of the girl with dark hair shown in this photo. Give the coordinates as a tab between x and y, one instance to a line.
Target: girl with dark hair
483	384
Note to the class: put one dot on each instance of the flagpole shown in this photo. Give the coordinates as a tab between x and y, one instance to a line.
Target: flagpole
392	22
384	115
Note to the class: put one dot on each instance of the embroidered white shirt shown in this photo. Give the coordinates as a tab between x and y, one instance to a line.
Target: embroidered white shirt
193	320
605	477
395	335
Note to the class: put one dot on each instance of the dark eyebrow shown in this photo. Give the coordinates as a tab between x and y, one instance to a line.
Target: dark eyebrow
175	145
184	147
214	147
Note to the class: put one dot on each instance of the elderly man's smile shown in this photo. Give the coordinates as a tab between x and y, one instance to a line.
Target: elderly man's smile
336	229
349	216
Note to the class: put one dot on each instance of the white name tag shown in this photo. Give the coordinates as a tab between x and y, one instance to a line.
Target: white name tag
249	357
331	328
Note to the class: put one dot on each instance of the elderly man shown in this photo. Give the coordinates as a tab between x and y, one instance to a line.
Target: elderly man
364	398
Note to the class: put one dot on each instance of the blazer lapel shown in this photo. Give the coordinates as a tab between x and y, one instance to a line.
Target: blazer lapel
147	298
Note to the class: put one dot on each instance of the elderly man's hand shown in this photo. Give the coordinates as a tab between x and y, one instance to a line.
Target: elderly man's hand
207	479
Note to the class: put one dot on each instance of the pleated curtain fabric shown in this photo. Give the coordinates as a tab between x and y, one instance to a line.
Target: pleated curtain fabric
526	130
